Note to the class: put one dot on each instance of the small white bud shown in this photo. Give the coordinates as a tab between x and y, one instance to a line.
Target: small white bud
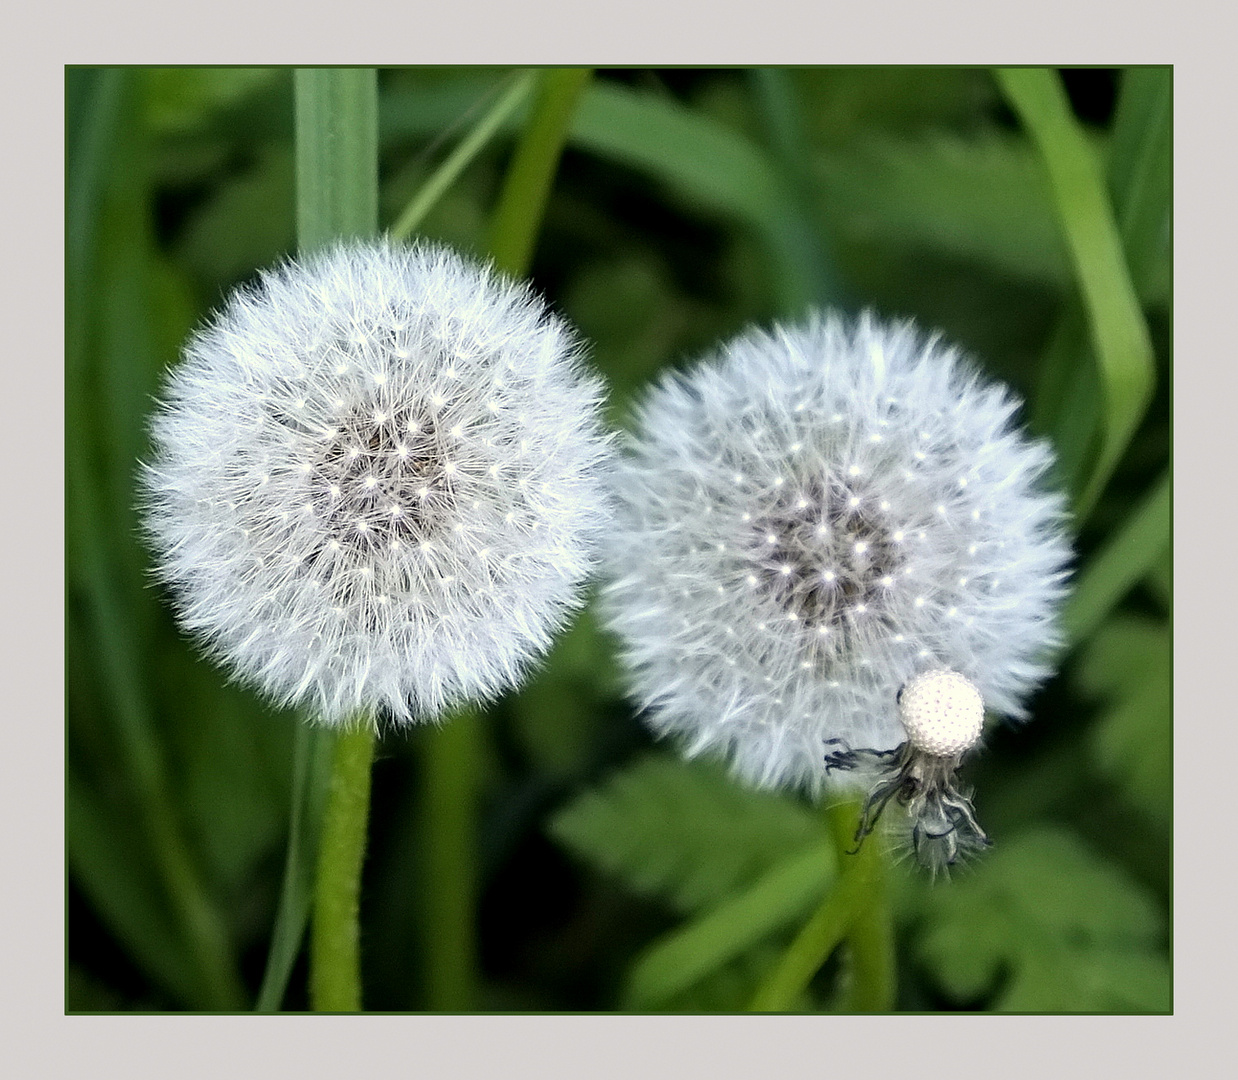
943	713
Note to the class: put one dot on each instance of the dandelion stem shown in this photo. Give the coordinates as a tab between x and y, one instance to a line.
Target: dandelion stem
855	911
870	936
335	967
518	216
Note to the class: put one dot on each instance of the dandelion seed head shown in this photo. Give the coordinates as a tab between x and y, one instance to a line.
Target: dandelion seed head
334	452
873	542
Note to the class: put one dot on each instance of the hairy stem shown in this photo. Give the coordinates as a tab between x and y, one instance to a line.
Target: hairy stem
335	967
856	912
870	937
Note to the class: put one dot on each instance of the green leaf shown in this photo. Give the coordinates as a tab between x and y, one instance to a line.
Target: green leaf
841	102
726	931
708	166
1129	666
1044	925
1130	553
1161	579
126	304
433	188
110	865
983	198
557	713
1118	331
637	318
683	832
729	988
1141	172
233	762
247	222
313	752
85	993
700	159
809	275
180	99
1140	180
517	216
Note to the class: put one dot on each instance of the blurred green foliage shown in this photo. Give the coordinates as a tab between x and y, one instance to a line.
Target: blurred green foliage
613	875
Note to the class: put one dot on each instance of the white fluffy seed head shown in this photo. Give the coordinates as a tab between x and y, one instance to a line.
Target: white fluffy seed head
378	481
943	713
811	517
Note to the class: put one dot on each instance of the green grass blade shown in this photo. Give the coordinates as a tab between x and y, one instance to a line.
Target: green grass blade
1133	551
499	114
518	216
311	778
1118	331
337	154
702	945
806	274
103	861
708	164
1141	170
110	351
1140	183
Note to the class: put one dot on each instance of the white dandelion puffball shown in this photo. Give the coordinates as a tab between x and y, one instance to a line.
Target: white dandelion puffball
812	517
378	482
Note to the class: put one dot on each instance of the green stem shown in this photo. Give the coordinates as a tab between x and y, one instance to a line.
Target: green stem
470	146
335	966
856	911
337	196
871	987
518	216
450	813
